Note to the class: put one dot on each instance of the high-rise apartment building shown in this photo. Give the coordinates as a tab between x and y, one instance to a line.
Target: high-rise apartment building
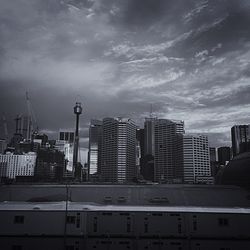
224	155
196	158
240	138
95	144
168	150
118	156
17	165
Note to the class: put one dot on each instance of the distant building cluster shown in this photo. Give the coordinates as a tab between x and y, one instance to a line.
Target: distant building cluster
160	152
38	159
32	157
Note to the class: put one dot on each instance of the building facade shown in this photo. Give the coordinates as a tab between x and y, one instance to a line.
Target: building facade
67	149
50	165
149	136
196	157
118	156
68	136
240	135
65	144
168	151
13	165
3	145
95	144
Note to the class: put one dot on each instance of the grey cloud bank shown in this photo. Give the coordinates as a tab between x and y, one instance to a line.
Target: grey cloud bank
190	59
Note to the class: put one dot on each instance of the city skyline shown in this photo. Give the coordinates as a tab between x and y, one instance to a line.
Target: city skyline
124	124
84	144
190	61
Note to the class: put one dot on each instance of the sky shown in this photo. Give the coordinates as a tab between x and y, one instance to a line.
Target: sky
188	59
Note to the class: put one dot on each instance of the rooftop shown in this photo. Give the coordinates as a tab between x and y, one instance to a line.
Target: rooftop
132	195
82	206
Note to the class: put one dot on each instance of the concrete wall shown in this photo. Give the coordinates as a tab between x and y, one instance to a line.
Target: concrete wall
124	224
179	195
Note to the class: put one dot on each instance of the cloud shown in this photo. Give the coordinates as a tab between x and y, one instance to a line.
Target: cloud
189	58
199	6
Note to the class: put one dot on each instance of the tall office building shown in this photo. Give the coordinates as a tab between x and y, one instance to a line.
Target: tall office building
224	155
240	138
168	150
149	136
196	157
94	155
118	157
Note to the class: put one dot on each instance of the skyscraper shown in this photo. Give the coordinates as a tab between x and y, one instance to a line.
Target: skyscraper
146	160
196	157
94	155
118	158
168	150
240	138
149	136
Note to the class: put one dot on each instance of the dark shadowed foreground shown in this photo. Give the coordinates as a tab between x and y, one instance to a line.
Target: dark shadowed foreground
75	217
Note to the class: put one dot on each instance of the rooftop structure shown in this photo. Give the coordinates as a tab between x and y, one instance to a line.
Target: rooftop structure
133	195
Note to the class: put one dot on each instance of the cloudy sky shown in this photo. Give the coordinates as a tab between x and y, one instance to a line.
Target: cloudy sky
188	58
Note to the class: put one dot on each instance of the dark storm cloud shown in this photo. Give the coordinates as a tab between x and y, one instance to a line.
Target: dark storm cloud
145	12
231	30
190	59
210	22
